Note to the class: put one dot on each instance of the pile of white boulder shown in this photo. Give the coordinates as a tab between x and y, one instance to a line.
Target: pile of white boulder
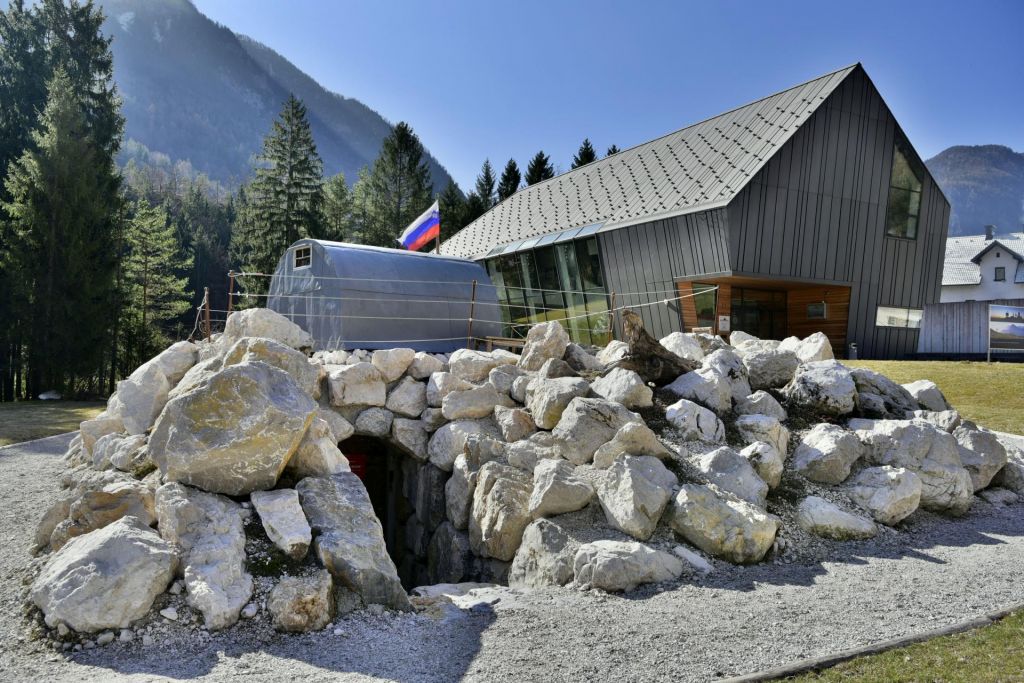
532	470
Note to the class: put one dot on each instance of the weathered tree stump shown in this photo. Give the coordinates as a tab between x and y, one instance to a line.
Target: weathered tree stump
649	359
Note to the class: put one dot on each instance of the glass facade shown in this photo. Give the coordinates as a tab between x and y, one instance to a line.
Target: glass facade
760	312
561	281
904	196
705	300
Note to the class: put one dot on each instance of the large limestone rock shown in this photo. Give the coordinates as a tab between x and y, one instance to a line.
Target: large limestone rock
411	436
557	489
176	360
525	454
921	448
208	529
449	441
474	366
544	341
705	386
392	363
822	518
441	384
503	377
349	540
732	472
548	398
105	579
307	375
770	369
928	395
634	438
826	453
683	345
500	510
93	430
766	461
554	367
587	424
374	422
357	385
424	365
1012	475
889	494
615	351
449	557
235	433
96	508
298	604
825	387
198	374
763	428
515	423
472	403
761	403
729	365
981	453
946	420
318	454
283	520
814	348
131	454
458	491
623	565
545	557
140	398
897	400
695	422
634	493
408	398
579	360
722	524
263	322
625	387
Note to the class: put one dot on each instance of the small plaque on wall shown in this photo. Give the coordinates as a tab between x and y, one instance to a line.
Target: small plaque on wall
723	323
817	311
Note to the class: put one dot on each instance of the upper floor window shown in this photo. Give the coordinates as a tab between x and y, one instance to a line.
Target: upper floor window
1000	274
904	195
303	257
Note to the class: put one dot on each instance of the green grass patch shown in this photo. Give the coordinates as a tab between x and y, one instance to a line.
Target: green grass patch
991	394
27	420
991	654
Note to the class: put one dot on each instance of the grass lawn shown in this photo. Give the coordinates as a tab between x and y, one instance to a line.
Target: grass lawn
991	394
27	420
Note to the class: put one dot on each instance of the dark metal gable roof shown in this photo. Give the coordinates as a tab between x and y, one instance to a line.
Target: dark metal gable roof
699	167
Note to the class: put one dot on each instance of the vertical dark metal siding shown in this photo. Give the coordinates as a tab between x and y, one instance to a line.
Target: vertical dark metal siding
647	258
817	211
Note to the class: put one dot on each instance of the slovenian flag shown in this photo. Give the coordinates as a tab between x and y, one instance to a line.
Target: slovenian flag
423	230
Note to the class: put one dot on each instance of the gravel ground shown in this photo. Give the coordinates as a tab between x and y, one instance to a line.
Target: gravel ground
736	620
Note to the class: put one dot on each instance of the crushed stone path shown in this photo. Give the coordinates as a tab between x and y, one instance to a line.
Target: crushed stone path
734	621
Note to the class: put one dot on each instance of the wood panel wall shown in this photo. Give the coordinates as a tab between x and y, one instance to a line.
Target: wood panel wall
837	300
816	211
958	327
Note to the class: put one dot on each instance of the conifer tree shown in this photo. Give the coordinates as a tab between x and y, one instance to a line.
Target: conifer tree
399	187
510	180
485	185
337	209
287	194
63	202
473	209
612	150
452	209
362	212
539	169
585	155
155	297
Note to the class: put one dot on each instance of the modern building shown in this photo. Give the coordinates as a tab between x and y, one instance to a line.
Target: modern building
984	267
803	211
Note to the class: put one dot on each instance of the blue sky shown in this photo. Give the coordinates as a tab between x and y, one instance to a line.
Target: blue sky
483	79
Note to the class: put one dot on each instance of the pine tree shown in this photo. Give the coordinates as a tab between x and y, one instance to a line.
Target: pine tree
154	297
510	180
452	208
612	150
585	155
539	169
362	212
287	194
485	185
63	203
337	209
473	209
399	187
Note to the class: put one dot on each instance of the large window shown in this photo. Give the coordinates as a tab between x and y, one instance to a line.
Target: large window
561	282
904	194
891	316
705	299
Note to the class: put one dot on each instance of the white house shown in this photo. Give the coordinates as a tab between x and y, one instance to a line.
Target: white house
984	267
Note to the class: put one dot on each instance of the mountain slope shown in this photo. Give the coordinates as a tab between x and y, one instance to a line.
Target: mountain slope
984	184
195	91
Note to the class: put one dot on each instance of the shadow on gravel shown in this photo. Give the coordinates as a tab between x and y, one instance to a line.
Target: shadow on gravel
374	647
